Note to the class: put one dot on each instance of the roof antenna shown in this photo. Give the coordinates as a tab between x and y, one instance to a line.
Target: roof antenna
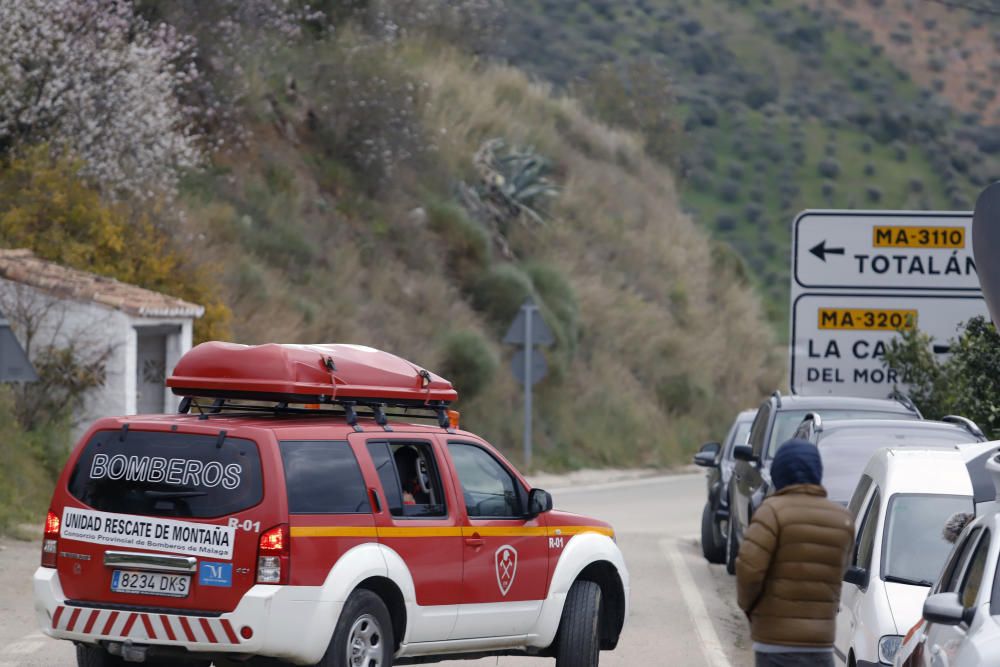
220	439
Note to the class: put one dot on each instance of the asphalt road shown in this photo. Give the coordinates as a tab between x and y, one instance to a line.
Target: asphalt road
683	610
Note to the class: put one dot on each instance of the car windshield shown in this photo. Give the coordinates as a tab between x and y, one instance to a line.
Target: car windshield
787	422
914	550
846	455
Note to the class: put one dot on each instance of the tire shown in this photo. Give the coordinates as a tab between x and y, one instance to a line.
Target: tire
580	627
364	634
713	546
95	656
732	547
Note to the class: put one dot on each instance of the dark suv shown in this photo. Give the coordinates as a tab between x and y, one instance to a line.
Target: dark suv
777	421
718	459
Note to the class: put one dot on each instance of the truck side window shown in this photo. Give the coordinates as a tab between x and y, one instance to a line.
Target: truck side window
490	491
952	573
865	548
409	477
969	592
758	431
854	507
323	477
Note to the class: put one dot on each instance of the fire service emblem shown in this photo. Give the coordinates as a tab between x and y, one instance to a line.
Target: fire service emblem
506	562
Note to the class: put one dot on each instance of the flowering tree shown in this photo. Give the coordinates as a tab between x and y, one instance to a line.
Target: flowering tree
94	78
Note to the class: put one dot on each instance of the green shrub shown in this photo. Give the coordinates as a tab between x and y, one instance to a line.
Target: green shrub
468	243
25	483
558	302
468	361
499	293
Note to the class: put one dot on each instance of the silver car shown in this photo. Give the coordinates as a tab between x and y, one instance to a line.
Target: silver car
961	617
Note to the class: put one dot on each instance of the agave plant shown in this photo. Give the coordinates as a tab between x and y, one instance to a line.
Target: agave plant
513	185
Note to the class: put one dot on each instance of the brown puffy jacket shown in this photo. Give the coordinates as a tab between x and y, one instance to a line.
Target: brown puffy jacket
791	565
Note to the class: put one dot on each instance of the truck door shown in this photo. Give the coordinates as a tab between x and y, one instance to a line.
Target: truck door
505	553
417	515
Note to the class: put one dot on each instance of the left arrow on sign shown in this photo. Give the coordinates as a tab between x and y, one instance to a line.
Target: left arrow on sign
821	251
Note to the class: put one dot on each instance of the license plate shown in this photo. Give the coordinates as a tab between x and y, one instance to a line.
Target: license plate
151	583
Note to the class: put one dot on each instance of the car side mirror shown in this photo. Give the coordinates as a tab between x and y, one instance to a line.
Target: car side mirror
745	453
539	502
944	609
857	576
707	454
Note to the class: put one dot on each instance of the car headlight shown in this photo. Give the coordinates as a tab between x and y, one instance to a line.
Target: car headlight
887	648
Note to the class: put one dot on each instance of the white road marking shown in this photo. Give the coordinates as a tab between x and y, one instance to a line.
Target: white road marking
23	647
631	483
711	648
28	644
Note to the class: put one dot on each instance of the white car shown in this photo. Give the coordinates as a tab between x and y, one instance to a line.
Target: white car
900	505
961	617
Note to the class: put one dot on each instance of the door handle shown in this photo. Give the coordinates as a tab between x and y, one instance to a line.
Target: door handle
474	541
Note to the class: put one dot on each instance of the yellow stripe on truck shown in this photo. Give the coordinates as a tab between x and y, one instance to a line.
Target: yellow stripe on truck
446	531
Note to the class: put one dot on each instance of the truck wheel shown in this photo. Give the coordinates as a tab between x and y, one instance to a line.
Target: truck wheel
580	628
732	548
95	656
363	637
713	547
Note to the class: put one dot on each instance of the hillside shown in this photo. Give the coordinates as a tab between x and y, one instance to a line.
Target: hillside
777	105
308	247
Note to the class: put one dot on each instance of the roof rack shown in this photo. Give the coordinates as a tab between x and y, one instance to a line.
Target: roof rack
348	409
965	423
905	401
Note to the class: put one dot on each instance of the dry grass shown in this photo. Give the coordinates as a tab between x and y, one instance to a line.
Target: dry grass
670	346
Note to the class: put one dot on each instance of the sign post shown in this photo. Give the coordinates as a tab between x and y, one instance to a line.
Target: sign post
986	235
14	363
859	278
528	365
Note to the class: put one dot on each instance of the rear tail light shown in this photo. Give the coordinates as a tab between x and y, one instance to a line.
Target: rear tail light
273	562
50	541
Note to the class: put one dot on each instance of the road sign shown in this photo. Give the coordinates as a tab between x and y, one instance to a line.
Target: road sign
528	330
540	334
14	363
539	368
986	234
927	251
839	339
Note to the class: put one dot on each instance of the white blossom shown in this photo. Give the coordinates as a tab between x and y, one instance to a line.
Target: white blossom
94	78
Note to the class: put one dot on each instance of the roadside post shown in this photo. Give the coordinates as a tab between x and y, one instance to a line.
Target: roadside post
528	364
14	363
861	277
986	240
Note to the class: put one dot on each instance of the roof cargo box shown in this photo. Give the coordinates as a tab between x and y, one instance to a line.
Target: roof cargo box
306	374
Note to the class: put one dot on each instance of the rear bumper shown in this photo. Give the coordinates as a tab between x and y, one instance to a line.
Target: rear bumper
288	622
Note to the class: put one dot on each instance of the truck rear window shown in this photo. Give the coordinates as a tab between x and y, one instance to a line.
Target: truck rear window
167	474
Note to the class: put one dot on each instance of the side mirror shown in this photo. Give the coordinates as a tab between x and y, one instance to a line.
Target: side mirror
539	502
944	609
744	453
857	576
707	454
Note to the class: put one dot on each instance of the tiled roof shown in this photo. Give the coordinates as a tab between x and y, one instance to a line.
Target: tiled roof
21	266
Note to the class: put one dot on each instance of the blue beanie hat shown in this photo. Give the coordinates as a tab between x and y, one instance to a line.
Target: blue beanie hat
797	462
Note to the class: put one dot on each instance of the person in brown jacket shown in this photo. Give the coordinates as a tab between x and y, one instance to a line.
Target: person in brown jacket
792	562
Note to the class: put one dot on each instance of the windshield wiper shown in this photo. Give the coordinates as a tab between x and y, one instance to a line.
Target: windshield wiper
174	494
893	579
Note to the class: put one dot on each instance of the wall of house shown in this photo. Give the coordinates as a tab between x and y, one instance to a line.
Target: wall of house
94	330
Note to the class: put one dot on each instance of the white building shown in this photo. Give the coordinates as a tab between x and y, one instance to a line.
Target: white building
140	333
